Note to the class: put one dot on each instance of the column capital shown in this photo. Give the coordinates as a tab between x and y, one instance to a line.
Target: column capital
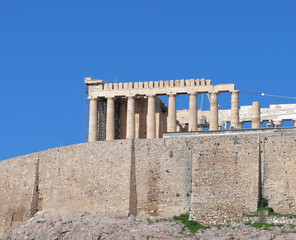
172	94
93	98
130	96
193	93
235	91
214	92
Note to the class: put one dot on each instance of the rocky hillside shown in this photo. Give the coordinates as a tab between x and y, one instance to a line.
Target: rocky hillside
80	226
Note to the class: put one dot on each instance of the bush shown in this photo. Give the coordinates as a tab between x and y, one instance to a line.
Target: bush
191	225
263	202
265	226
269	209
149	221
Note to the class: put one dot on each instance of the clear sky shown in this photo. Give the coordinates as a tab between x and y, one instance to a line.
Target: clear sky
48	47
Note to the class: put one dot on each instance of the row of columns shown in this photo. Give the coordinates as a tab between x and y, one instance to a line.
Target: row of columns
130	118
214	108
151	121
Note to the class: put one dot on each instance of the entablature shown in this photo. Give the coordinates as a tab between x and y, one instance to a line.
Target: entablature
97	88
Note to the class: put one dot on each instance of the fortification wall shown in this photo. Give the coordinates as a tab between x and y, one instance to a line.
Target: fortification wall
278	171
163	175
92	177
218	178
17	177
225	178
86	177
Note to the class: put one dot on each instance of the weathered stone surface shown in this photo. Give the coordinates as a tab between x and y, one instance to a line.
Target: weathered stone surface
224	177
93	177
163	173
217	177
291	220
278	171
77	226
17	177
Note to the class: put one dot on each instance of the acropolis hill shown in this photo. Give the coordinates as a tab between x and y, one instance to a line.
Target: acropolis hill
144	158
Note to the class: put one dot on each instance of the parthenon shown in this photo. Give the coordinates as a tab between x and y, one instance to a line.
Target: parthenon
134	109
130	95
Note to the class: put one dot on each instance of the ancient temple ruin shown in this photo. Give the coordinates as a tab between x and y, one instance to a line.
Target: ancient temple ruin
134	110
141	112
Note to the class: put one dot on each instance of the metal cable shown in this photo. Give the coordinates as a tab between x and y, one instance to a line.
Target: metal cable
264	94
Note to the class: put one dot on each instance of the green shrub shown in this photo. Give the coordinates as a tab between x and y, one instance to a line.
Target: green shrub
264	226
149	221
263	202
269	209
191	225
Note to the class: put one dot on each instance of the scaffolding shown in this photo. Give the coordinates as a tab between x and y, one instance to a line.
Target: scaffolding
102	113
102	110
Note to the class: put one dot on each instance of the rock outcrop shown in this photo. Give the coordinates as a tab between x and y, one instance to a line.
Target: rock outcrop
84	226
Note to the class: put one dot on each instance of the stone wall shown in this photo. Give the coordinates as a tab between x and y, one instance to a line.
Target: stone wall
225	178
93	177
218	178
163	175
17	178
278	171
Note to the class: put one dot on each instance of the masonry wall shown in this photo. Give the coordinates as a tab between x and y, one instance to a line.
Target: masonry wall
91	177
218	178
225	178
278	171
163	175
17	177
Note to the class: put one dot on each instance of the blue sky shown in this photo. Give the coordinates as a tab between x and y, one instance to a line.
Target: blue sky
48	47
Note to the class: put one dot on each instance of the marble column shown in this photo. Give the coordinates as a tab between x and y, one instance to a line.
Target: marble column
171	123
235	109
192	112
130	120
93	120
122	118
256	123
151	131
214	111
110	120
